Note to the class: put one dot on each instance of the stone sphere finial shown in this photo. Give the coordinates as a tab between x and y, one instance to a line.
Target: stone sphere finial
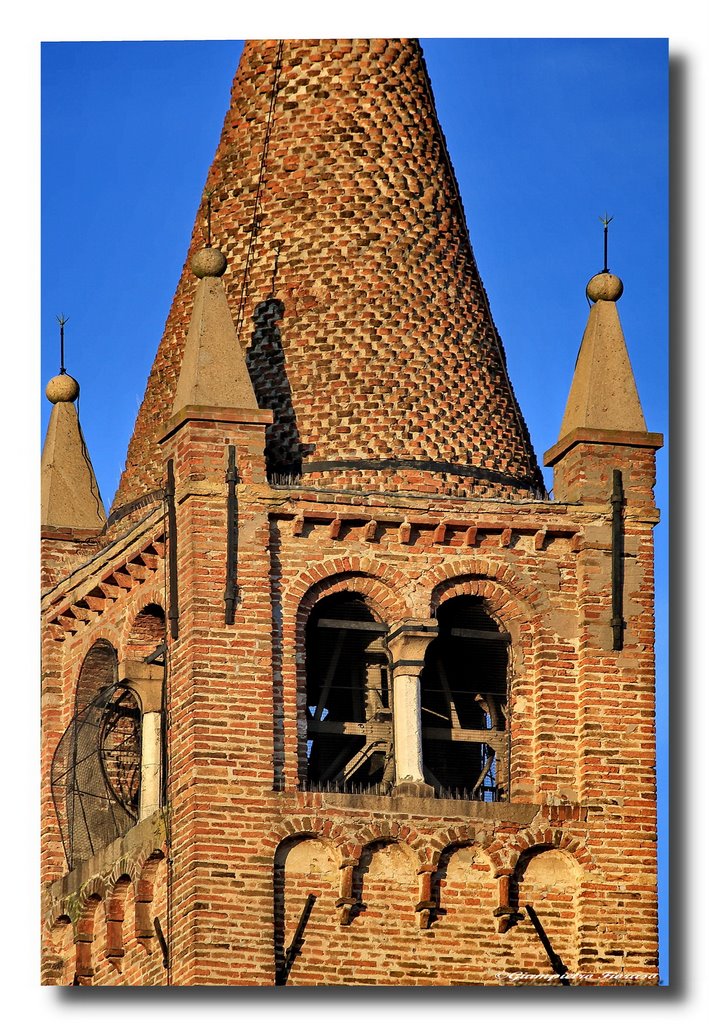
209	262
604	286
62	388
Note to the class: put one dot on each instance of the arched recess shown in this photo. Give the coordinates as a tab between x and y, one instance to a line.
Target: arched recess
99	670
146	633
59	961
115	917
547	879
465	892
304	867
383	919
85	934
95	772
464	702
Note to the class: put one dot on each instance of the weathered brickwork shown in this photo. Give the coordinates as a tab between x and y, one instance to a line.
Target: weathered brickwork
357	297
412	886
582	778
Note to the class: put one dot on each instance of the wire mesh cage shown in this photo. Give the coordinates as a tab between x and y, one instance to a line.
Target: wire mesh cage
95	775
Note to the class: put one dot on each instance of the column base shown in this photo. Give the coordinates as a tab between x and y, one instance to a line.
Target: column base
410	788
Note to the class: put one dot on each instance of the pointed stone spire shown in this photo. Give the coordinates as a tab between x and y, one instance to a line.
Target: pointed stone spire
70	494
213	369
603	393
351	282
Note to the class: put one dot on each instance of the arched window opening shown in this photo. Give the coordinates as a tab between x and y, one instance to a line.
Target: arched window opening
464	703
95	774
349	739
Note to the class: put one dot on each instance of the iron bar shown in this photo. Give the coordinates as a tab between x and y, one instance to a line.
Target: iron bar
617	561
163	942
605	220
297	943
173	611
231	538
555	960
62	320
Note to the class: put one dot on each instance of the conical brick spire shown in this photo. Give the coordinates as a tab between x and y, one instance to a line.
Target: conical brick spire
351	283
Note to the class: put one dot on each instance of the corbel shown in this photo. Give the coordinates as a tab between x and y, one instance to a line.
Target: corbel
426	906
346	901
370	530
506	914
405	532
439	534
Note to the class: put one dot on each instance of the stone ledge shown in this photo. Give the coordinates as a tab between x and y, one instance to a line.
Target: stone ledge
623	438
434	808
147	833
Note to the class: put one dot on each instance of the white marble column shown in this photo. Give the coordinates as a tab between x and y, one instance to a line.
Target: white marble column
150	763
407	642
146	682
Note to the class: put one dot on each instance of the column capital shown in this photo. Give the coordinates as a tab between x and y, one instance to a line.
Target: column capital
408	642
145	680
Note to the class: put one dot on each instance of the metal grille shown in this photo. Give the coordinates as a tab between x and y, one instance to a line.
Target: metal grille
95	774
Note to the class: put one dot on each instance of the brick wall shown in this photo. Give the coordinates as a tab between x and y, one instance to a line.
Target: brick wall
576	839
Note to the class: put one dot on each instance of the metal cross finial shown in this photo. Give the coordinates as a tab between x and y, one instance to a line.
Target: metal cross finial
605	221
62	320
208	192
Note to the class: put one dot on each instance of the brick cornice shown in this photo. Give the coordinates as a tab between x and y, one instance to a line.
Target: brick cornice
214	414
587	435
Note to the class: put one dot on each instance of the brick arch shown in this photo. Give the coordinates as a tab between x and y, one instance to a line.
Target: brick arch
91	898
129	642
148	860
467	834
306	828
380	585
95	887
115	907
126	865
509	852
390	832
376	580
464	844
98	668
502	585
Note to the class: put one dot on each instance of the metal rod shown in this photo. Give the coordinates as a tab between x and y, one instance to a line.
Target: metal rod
554	959
62	320
231	538
163	942
297	943
605	220
173	612
617	498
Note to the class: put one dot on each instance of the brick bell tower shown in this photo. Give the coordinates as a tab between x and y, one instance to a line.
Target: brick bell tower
336	693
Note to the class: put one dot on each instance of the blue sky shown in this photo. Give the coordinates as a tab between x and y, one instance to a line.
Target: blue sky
544	136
